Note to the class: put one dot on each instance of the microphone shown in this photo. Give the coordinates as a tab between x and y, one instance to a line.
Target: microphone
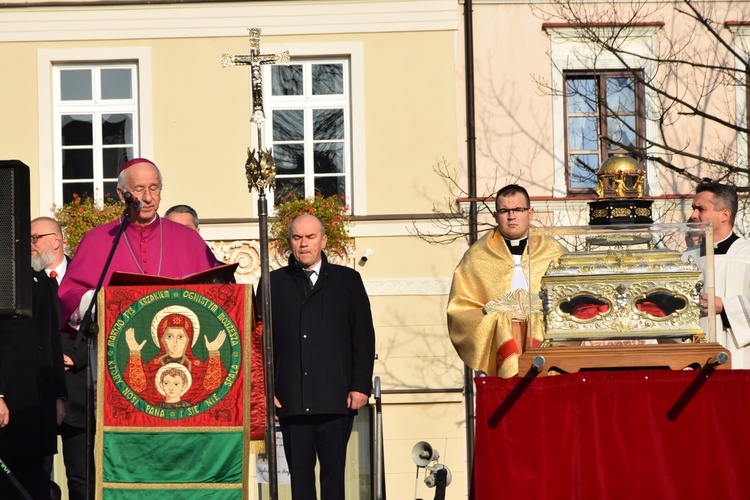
133	202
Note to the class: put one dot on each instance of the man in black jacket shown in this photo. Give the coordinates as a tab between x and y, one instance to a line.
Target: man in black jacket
48	255
32	390
324	351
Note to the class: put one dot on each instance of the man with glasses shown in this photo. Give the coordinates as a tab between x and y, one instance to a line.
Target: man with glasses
150	245
48	256
488	303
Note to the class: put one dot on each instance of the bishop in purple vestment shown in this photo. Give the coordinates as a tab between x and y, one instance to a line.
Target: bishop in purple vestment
149	245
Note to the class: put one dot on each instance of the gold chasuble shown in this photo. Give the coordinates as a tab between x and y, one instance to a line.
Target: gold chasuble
482	306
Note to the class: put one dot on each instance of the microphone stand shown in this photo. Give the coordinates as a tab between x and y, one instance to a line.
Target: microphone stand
90	329
441	478
14	481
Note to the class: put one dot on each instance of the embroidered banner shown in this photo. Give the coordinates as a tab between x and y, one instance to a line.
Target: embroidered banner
174	392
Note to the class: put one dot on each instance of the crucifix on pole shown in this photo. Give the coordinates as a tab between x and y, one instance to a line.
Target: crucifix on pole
260	171
255	60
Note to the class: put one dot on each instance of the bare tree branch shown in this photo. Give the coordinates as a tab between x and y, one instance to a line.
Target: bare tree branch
696	74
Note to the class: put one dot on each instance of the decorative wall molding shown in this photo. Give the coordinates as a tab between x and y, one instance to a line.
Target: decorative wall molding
358	229
247	254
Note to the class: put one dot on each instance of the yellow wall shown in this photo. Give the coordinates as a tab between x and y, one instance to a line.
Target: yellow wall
18	104
201	125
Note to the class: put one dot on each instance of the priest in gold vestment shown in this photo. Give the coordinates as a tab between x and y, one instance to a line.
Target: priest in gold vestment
488	307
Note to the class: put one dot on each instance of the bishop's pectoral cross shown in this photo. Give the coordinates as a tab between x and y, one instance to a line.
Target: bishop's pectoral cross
255	59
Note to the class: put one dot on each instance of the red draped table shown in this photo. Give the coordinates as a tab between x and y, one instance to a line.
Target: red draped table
614	435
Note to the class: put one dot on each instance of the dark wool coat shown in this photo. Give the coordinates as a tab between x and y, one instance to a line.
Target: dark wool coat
32	376
323	339
75	378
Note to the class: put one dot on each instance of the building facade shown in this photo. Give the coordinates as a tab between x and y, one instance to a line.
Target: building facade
365	109
373	100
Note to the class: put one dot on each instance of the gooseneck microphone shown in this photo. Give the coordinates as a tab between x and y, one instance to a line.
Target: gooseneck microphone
133	202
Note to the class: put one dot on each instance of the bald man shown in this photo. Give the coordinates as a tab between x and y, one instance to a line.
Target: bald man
185	215
324	351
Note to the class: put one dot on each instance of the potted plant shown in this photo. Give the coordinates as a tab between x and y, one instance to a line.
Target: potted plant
80	215
331	210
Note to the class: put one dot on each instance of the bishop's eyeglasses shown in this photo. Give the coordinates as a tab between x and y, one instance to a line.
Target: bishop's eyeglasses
517	210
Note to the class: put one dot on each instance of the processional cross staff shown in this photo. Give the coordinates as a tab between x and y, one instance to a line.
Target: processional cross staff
260	171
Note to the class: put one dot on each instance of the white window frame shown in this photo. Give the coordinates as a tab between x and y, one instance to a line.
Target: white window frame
95	107
50	159
569	52
356	194
742	46
308	102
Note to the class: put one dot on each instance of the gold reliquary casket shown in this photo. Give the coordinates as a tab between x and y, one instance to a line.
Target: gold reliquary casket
621	293
625	282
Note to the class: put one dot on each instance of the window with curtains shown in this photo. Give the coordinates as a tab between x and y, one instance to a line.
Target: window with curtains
95	125
309	110
604	116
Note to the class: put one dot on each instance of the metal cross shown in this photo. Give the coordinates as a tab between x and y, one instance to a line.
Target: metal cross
260	172
255	59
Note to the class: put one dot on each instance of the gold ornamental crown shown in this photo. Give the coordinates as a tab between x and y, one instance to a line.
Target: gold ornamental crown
620	176
619	163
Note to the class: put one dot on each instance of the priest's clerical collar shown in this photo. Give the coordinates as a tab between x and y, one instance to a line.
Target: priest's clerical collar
516	247
721	247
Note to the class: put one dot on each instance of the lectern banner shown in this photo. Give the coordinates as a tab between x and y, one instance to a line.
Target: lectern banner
172	389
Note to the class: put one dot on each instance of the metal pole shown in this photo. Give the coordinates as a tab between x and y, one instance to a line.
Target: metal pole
260	172
265	278
471	166
379	493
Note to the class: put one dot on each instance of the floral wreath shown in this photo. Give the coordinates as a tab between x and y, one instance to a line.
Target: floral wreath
332	212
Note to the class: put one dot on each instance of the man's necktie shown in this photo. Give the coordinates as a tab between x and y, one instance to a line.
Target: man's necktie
54	285
53	280
309	279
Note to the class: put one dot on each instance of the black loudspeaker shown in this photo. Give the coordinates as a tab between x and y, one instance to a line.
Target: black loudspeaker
15	239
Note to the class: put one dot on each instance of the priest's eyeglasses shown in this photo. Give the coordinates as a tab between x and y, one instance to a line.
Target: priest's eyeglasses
517	210
35	237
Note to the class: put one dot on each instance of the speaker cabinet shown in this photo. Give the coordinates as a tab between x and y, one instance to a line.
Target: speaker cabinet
15	239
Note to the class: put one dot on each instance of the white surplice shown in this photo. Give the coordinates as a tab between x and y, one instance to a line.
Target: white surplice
732	285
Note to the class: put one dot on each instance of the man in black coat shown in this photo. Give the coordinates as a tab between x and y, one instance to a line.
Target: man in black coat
48	255
32	385
324	351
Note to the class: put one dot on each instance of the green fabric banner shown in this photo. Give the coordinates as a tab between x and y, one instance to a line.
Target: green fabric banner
173	494
175	457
